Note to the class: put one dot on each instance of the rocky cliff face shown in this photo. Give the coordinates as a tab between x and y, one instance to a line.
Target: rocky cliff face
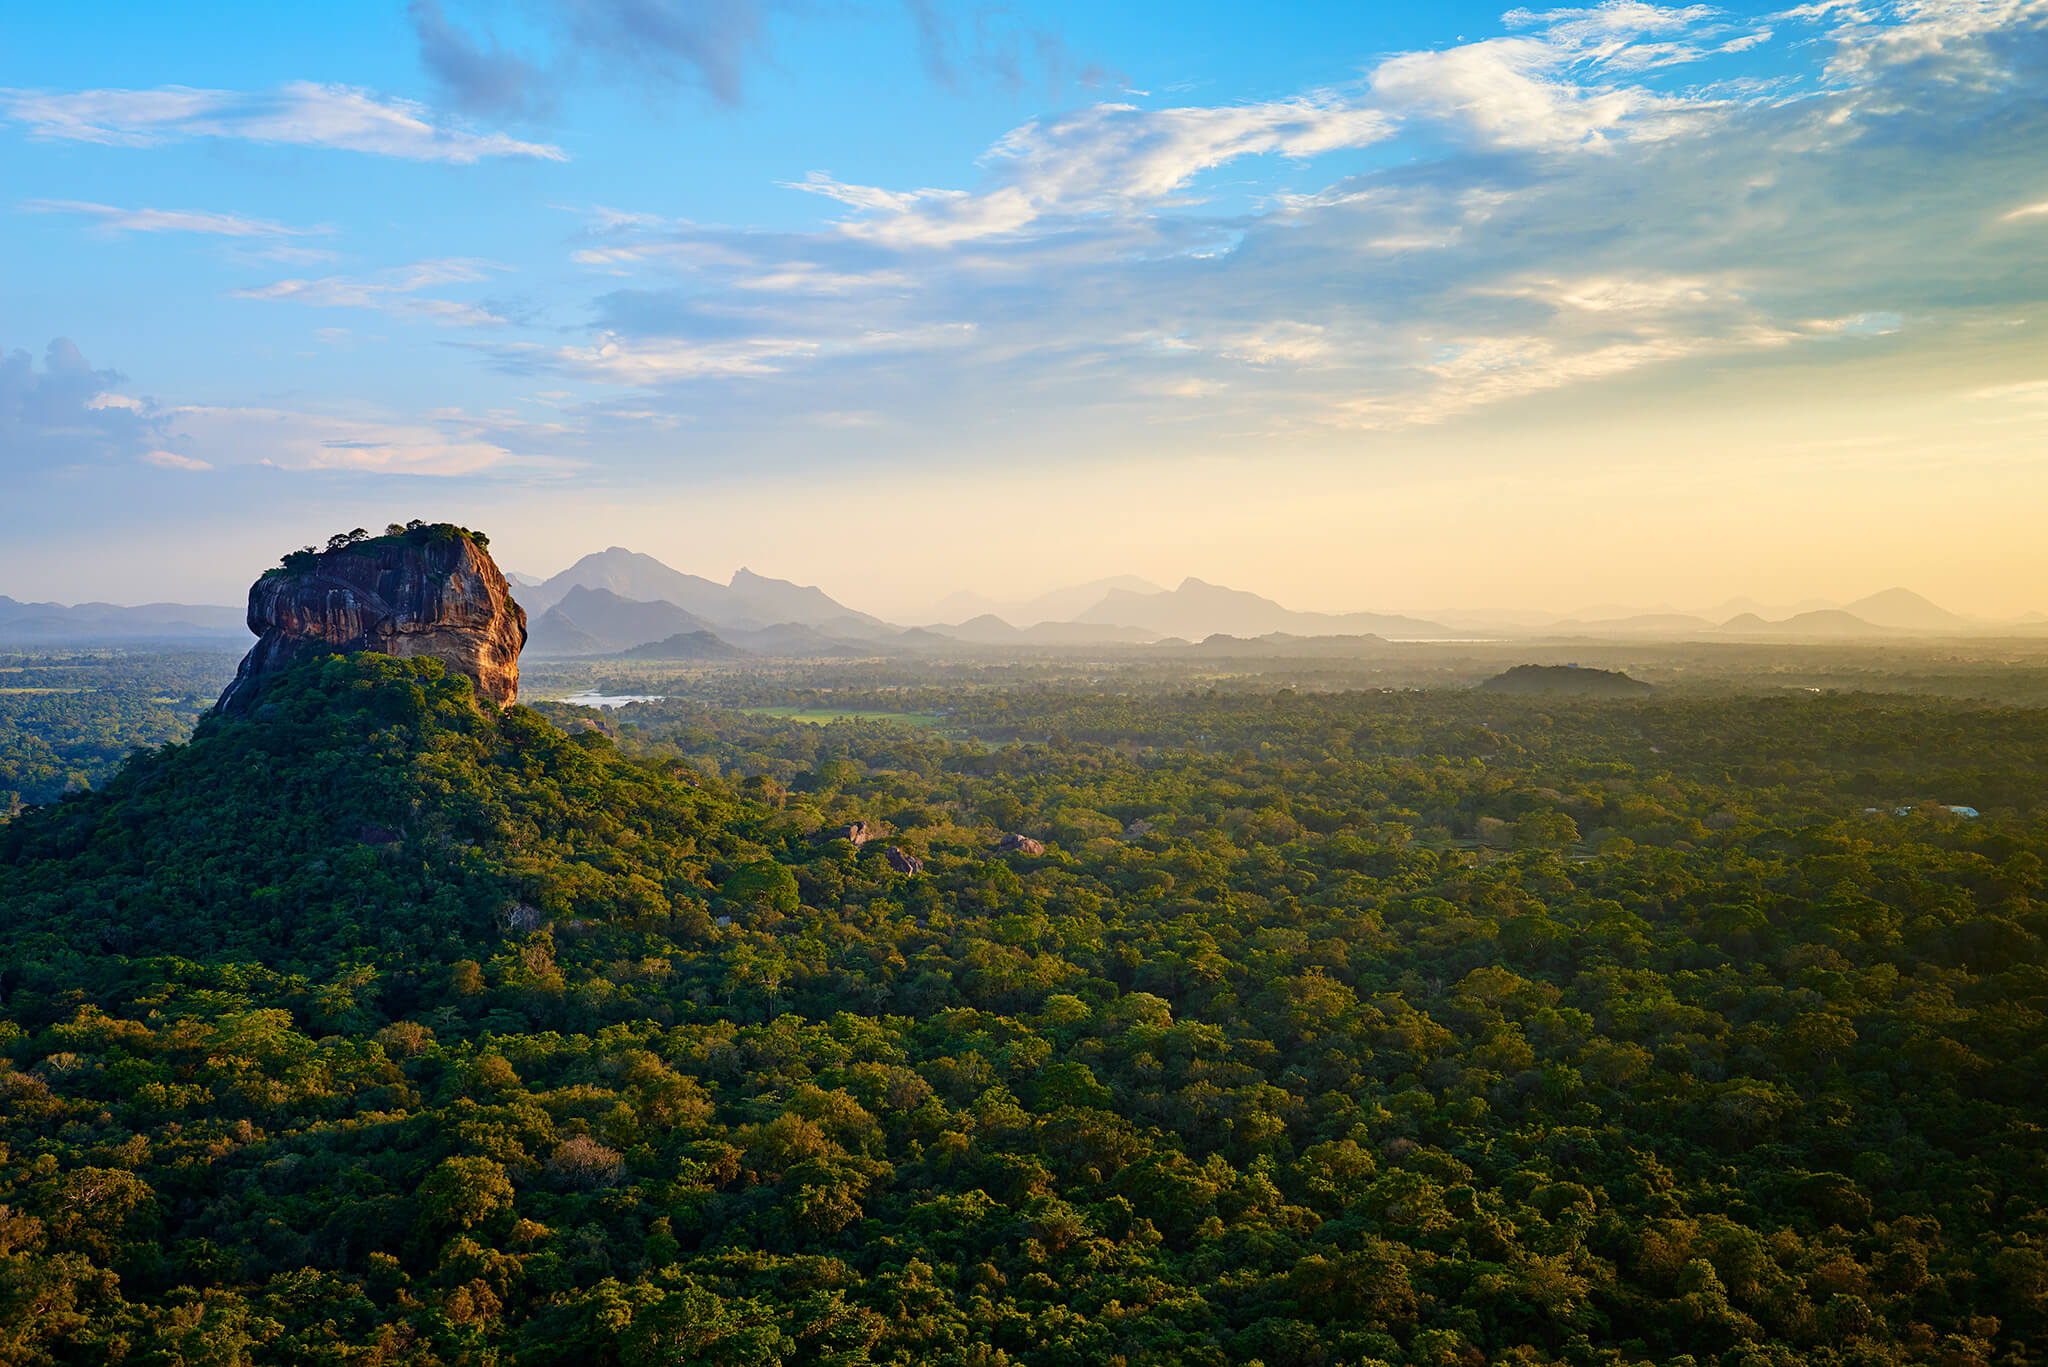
429	591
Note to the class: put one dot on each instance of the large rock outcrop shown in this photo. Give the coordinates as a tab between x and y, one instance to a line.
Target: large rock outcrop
427	590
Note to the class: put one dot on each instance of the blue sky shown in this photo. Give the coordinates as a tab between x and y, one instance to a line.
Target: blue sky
1362	305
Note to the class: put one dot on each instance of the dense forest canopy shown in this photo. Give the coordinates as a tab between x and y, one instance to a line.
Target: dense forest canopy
1328	1028
69	719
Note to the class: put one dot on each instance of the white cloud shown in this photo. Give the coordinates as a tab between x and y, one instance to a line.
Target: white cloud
866	196
295	440
1623	294
299	114
2023	391
2020	215
805	277
117	220
682	253
1282	342
1514	92
171	460
392	291
613	360
1871	323
1475	372
1106	159
1941	37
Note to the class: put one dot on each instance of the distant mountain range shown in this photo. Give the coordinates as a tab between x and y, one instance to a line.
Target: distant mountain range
22	623
749	602
619	602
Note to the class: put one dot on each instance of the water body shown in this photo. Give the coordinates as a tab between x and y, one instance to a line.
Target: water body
612	699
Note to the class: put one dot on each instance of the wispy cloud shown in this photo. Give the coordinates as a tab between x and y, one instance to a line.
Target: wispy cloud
111	219
394	291
300	114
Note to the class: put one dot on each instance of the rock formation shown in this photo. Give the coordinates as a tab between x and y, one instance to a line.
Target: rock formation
1022	844
423	590
859	833
904	863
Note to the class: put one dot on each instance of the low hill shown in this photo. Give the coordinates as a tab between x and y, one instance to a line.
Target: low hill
793	640
1822	622
685	645
1567	680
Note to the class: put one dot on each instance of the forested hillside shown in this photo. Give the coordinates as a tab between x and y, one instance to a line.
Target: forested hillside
1335	1029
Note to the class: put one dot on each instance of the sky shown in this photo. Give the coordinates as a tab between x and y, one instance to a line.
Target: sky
1360	305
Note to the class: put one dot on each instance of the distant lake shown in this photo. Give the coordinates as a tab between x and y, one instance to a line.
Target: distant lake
612	699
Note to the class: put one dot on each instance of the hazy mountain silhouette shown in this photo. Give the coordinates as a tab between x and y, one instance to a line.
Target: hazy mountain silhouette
629	574
1197	610
750	602
798	641
1056	605
1824	622
612	621
1906	610
26	622
1642	624
989	629
774	602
